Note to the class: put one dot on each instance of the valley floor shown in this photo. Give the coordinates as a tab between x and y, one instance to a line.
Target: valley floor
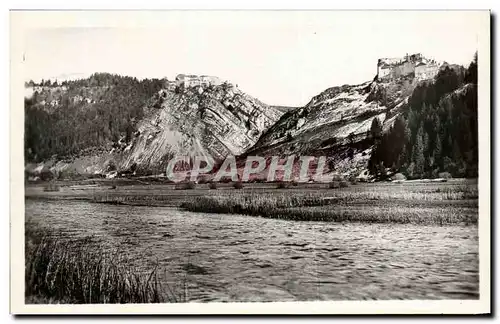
451	202
368	241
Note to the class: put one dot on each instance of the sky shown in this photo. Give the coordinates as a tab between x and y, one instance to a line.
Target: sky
280	57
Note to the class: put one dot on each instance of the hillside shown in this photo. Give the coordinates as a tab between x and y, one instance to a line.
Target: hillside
90	126
346	123
437	134
214	121
335	123
284	109
417	117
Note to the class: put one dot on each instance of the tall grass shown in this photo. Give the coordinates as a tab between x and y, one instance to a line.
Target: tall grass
133	199
51	187
395	206
78	271
439	193
185	186
339	184
387	214
255	204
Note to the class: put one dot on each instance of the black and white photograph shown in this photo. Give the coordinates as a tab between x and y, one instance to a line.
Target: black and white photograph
178	159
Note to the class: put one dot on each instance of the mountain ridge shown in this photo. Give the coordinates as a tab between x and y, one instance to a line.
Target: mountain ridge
210	119
203	115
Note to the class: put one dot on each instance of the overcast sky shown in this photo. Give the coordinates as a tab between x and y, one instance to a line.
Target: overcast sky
280	57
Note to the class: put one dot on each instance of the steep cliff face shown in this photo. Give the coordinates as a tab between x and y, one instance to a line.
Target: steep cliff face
212	121
335	123
195	116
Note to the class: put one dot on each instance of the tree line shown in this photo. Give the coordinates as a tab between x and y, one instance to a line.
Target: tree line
438	132
89	114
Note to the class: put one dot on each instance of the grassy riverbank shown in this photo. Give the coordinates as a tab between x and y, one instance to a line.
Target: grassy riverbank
425	204
416	202
77	271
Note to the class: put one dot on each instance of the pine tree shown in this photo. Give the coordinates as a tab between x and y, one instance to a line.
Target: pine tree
471	73
411	170
350	138
373	162
381	170
418	154
438	151
402	159
376	129
425	142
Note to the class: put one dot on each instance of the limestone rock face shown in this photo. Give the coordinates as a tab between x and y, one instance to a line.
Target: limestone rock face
213	121
335	123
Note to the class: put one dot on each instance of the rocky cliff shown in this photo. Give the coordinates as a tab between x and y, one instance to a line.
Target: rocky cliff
217	120
211	120
336	122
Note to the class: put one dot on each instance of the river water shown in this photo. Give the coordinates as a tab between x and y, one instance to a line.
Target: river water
242	258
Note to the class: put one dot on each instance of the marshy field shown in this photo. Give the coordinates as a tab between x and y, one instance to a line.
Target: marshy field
121	242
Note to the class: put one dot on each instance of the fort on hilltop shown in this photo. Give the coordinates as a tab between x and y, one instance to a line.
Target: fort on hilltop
417	65
195	80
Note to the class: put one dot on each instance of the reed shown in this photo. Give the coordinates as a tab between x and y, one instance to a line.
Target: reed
418	205
79	272
51	187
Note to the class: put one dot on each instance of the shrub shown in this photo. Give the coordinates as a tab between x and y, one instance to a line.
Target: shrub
343	184
399	177
445	175
226	180
333	185
353	180
62	175
238	185
337	177
295	183
46	175
202	180
283	185
133	167
111	166
212	185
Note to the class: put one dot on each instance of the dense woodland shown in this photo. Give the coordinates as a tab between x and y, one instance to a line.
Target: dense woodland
437	133
84	114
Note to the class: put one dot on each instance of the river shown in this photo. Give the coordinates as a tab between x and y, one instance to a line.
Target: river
242	258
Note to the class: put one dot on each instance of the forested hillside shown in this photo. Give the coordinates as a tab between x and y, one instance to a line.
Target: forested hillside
420	128
437	133
81	115
111	123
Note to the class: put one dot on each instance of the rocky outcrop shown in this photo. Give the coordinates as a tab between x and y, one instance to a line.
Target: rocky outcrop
335	123
212	121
